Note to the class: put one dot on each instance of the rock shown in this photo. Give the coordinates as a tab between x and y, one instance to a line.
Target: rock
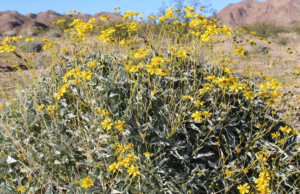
249	12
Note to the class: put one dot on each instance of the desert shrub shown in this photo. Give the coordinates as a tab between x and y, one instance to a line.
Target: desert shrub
31	47
42	61
10	34
23	33
27	33
147	120
39	31
295	27
283	40
261	49
192	153
54	34
265	30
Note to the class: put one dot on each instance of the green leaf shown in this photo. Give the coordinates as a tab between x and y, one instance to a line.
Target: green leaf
25	170
57	162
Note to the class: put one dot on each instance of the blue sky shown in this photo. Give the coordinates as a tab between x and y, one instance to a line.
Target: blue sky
95	6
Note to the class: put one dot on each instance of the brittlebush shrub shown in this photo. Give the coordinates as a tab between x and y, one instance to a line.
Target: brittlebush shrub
54	34
146	119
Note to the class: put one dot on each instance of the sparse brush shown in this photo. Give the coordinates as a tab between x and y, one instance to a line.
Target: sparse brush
283	40
10	34
265	30
261	49
42	61
23	33
296	27
31	47
54	34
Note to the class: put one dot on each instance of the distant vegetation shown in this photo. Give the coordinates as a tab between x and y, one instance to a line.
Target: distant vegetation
266	30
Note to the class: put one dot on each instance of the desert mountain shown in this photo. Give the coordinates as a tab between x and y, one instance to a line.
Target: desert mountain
12	20
9	20
281	12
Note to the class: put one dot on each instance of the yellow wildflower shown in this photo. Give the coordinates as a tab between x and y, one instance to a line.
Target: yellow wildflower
93	63
235	88
228	173
133	171
272	101
198	102
206	114
197	116
87	182
29	39
158	60
113	168
107	124
148	154
131	157
121	148
186	97
227	30
22	188
263	95
206	37
275	135
285	129
120	125
240	51
244	188
58	95
41	107
151	68
9	48
129	146
86	75
181	53
248	95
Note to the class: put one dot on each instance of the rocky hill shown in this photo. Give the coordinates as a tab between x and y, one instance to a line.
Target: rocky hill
281	12
14	21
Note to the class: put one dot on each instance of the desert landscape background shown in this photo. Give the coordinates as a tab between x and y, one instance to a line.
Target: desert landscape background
271	19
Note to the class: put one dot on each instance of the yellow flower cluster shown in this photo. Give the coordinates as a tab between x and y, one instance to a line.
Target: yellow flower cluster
104	18
274	95
240	51
102	112
87	182
49	108
244	188
169	12
106	35
8	48
49	45
119	125
76	73
29	39
152	17
126	161
263	181
142	53
58	22
128	14
82	28
197	115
